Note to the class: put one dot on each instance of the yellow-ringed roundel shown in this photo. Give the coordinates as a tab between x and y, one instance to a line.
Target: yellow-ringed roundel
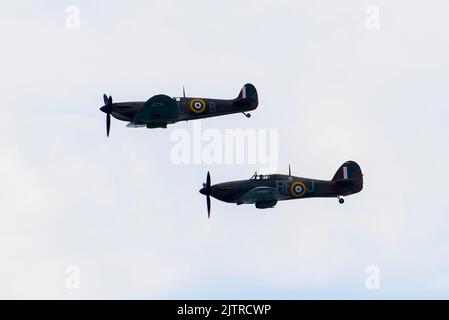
298	189
197	105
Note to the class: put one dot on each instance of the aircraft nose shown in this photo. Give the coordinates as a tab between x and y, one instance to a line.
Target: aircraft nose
103	108
203	191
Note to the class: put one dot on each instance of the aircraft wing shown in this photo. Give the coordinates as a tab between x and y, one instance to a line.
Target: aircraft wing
259	194
159	109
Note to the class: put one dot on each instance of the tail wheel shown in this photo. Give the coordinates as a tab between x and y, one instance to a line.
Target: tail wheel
341	200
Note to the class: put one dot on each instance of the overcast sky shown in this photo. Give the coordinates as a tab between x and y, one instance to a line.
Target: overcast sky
337	81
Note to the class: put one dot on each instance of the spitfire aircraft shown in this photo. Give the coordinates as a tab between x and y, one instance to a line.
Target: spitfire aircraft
161	110
266	190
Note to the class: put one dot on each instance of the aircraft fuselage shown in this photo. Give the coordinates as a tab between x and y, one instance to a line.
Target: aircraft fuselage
266	190
161	110
287	187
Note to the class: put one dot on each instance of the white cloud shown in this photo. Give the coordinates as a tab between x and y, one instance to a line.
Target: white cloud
136	224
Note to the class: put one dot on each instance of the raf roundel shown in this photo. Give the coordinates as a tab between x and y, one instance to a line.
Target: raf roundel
197	105
298	189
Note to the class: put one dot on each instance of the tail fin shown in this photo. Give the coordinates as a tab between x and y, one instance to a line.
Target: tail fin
349	174
248	97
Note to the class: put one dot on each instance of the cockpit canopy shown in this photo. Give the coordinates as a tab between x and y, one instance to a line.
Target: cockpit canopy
261	176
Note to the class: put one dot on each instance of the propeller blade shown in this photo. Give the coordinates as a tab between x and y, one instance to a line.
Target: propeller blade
208	180
107	108
207	193
108	124
289	170
208	206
